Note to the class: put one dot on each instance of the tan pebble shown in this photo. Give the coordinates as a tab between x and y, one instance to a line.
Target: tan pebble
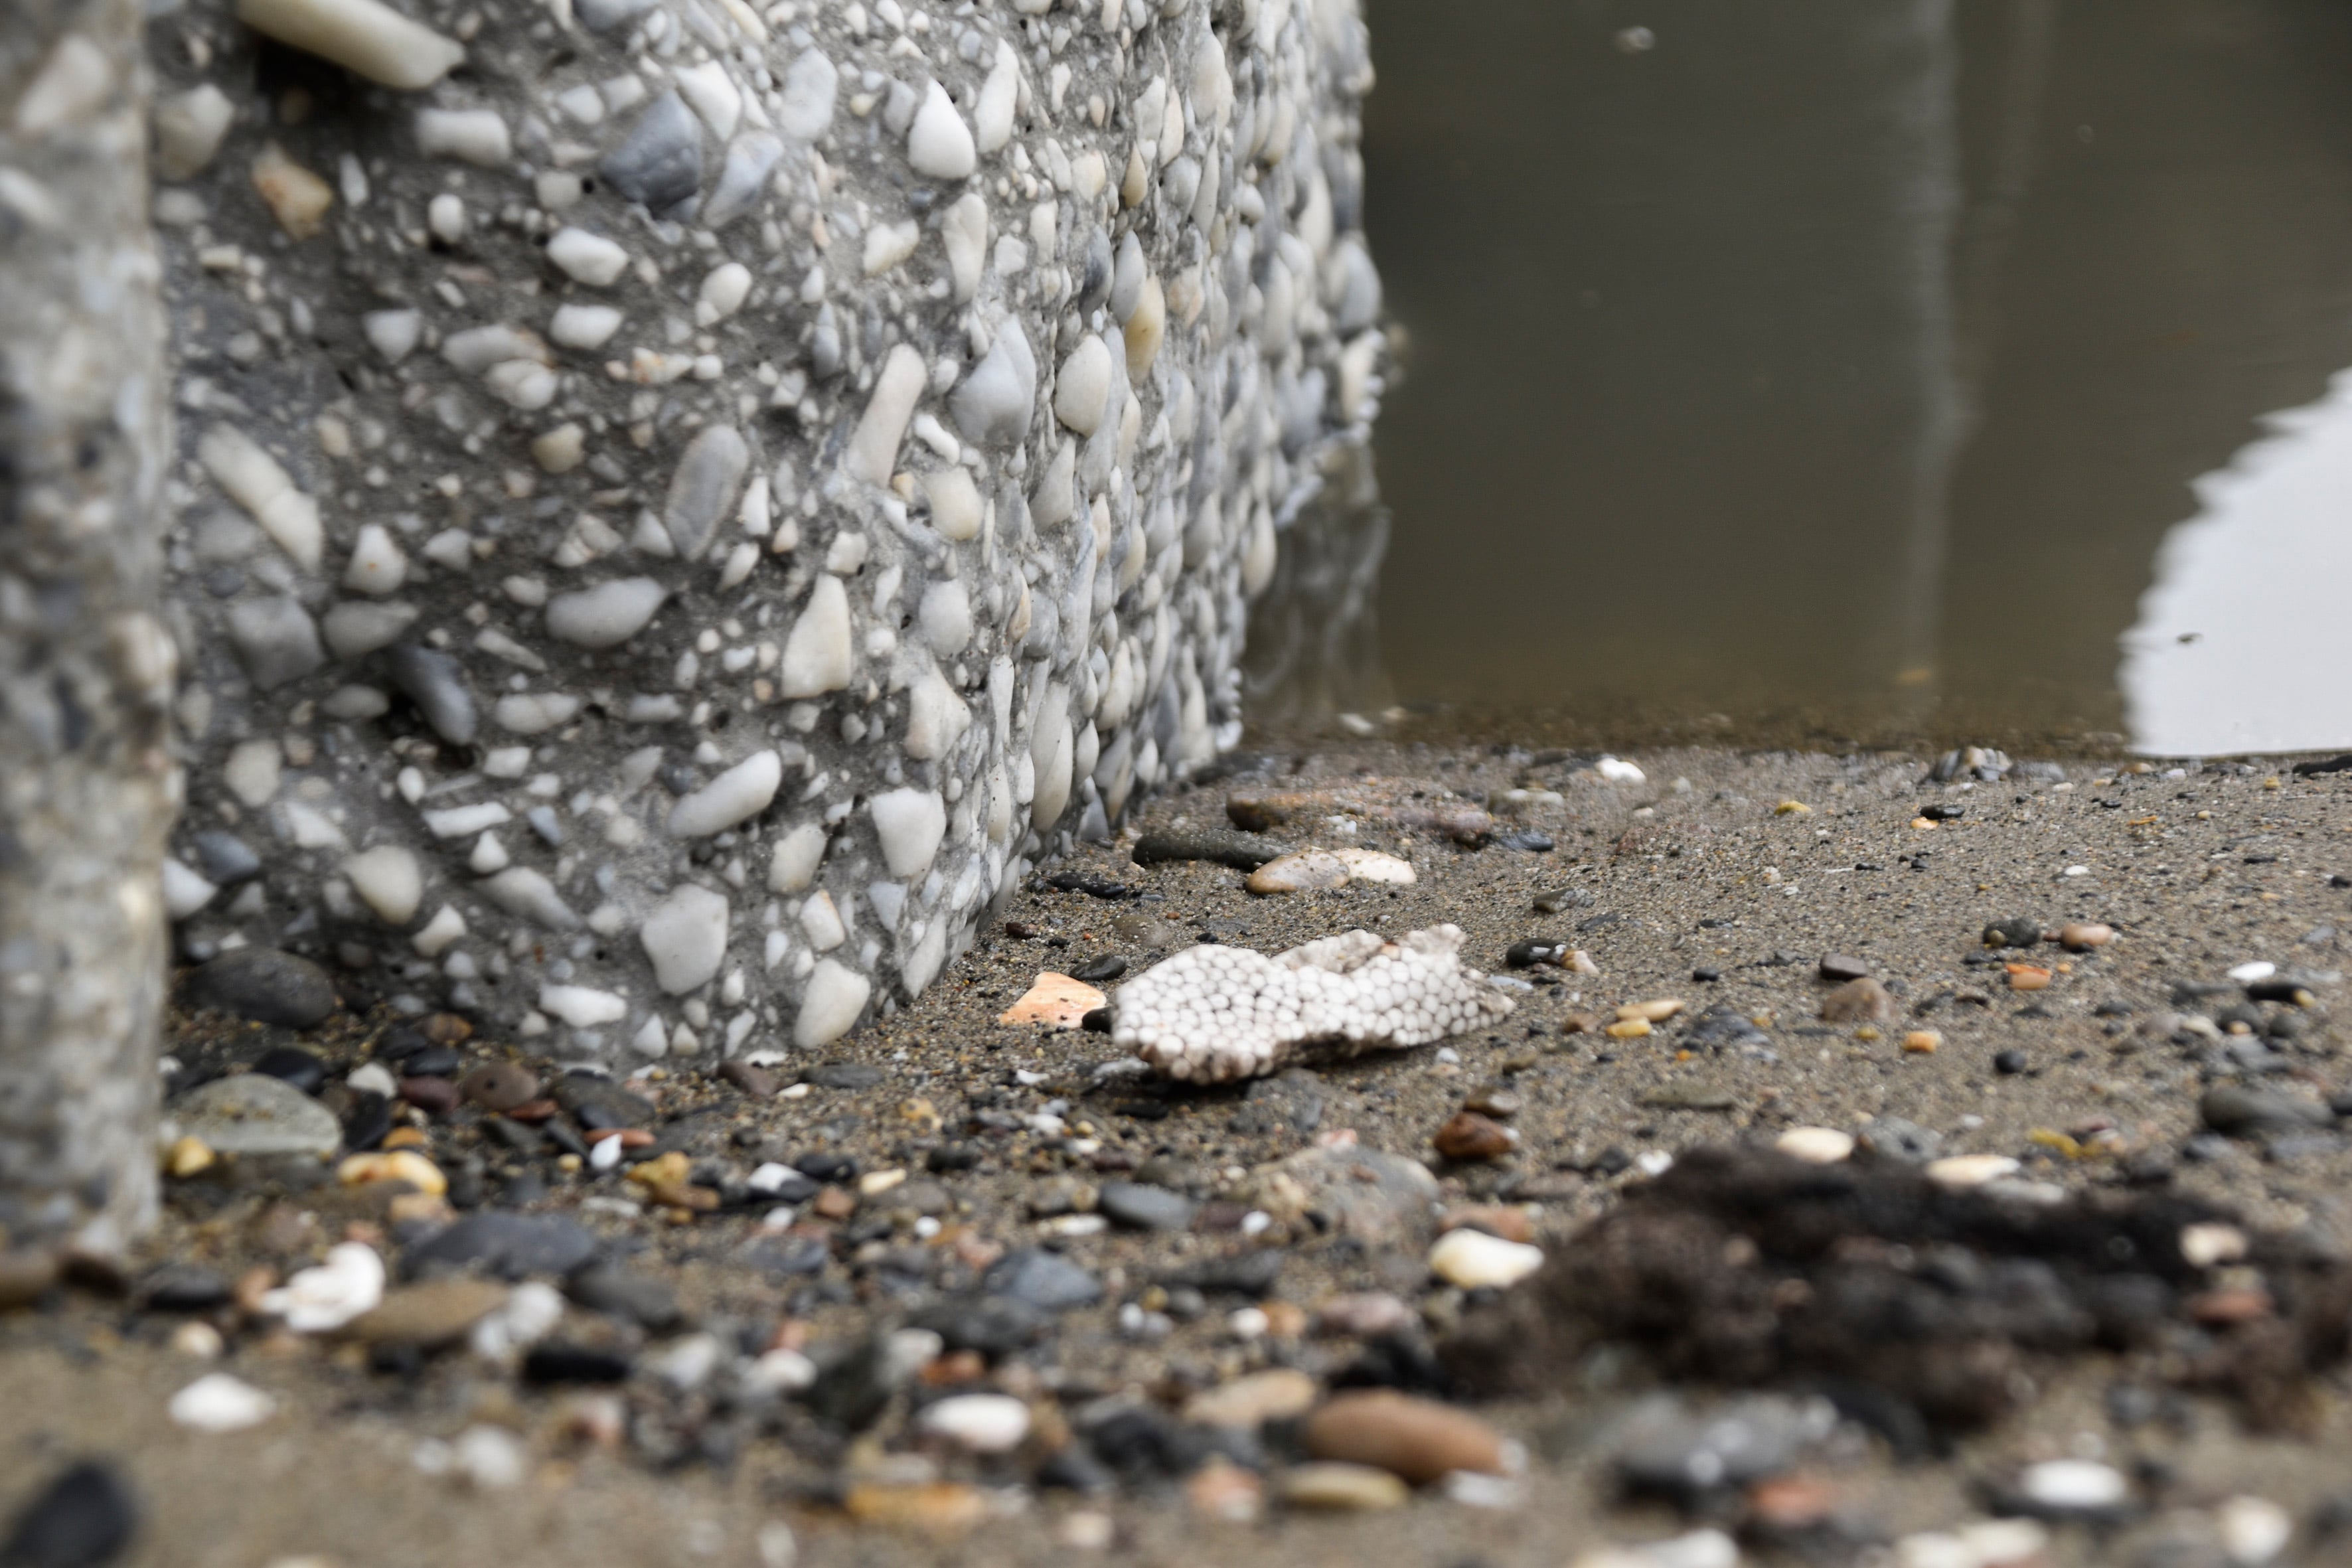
1628	1028
1225	1491
1656	1012
1792	808
296	197
874	1183
1056	1001
1250	1402
1417	1440
942	1509
1862	1001
1867	1032
1579	963
1302	871
1922	1042
1341	1487
401	1165
189	1155
2083	935
1364	1313
2027	977
1817	1145
435	1313
1581	1024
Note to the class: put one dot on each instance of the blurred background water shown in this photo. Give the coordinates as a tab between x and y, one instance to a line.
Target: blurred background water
1849	370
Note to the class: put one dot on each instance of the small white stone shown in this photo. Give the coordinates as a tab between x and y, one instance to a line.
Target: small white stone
743	792
389	881
2204	1246
364	36
703	488
219	1403
445	215
372	1077
434	937
1617	771
392	333
321	1299
534	713
830	1004
955	503
585	257
583	326
184	889
993	405
582	1007
685	936
1373	866
1082	390
491	1458
606	615
938	143
527	893
1955	1173
805	107
559	450
1816	1145
909	822
792	865
977	1423
2075	1485
2247	973
888	244
724	290
1473	1259
945	616
963	234
874	447
476	136
189	129
992	116
378	565
818	656
523	383
712	94
936	718
252	479
821	923
2253	1529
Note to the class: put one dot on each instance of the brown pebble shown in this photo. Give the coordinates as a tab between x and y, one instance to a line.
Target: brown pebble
1303	871
436	1095
756	1081
500	1086
834	1202
26	1273
1790	1502
1922	1042
2083	935
446	1029
1862	1001
1470	1136
941	1510
433	1313
1225	1491
1417	1439
1581	1024
1504	1220
1839	967
2027	977
2230	1304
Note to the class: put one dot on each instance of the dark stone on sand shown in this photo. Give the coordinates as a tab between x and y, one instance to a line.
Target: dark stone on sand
1223	846
267	986
509	1245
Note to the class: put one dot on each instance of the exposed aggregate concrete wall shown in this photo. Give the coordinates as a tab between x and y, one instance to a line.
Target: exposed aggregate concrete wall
683	502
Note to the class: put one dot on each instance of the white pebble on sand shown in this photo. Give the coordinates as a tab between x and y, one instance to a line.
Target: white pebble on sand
1473	1259
977	1423
219	1403
321	1299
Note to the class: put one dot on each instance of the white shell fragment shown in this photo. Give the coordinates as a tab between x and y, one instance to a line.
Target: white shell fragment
1212	1014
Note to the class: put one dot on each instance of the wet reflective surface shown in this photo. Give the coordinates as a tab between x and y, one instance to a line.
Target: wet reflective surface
1866	370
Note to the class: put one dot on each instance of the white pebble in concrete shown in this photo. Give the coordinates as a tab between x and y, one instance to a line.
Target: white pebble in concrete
742	792
685	936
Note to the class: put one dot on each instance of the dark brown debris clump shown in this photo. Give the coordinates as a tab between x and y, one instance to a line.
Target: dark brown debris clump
1747	1267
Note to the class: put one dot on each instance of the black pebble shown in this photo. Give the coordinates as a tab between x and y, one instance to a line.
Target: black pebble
1096	1021
2009	1063
1705	974
83	1519
1109	966
293	1065
574	1363
367	1122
